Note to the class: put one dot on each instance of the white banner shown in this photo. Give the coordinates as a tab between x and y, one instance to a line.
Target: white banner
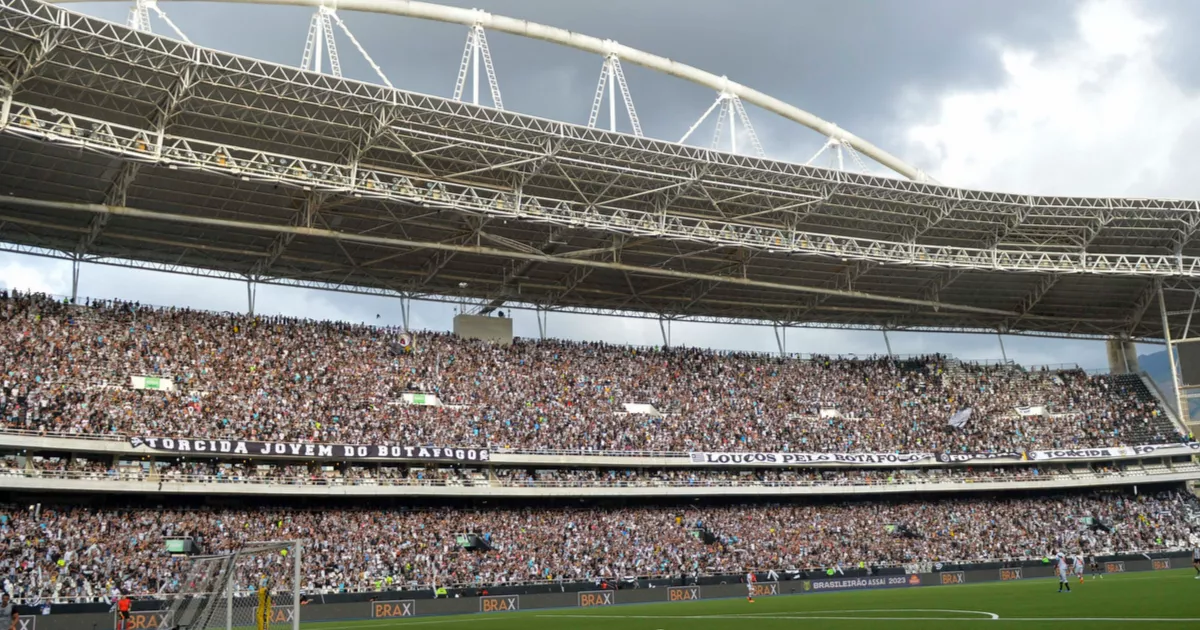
1166	450
906	459
1115	452
1118	452
1036	410
791	459
961	418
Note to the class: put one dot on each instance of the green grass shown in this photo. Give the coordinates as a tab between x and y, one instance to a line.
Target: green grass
1162	600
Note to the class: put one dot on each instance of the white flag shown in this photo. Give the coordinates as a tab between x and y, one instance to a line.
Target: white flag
961	417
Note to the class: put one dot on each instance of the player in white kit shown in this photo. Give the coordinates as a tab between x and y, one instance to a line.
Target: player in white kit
1078	567
750	580
1063	582
1196	561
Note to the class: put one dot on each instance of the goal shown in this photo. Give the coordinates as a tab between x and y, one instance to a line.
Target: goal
254	588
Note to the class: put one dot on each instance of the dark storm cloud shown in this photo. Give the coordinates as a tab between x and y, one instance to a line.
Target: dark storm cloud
1179	46
844	60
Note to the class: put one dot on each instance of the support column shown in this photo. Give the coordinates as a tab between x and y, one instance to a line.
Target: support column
251	293
75	262
5	107
1180	403
612	93
887	343
1122	356
1003	352
405	306
780	338
475	69
664	327
543	321
1187	326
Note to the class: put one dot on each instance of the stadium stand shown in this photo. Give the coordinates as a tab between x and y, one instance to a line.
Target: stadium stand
282	379
78	554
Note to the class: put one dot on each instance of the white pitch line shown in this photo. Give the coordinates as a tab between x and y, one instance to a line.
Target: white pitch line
795	617
399	622
1121	619
769	618
981	613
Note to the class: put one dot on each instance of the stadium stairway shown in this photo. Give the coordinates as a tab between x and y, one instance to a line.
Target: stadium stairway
1164	425
954	371
1152	387
1191	510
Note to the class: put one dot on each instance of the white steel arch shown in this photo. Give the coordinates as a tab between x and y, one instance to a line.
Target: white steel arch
604	48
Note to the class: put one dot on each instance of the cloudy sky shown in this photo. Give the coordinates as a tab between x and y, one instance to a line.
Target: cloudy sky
1096	97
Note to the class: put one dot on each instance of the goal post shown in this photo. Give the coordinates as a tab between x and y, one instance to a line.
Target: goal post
256	587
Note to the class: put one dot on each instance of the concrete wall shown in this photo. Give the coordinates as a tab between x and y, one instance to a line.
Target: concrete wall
396	605
495	329
1061	482
1122	356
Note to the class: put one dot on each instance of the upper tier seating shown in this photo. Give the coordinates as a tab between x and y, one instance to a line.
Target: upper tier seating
67	369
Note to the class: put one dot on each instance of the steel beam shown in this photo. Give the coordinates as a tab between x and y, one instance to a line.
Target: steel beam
549	247
134	143
178	269
19	202
1031	300
486	21
303	218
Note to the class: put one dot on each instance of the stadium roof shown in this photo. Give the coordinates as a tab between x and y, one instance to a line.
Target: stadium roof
123	147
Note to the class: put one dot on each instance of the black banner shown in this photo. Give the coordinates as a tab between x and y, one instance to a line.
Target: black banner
1011	573
590	599
873	582
188	446
762	589
499	603
393	608
954	577
683	593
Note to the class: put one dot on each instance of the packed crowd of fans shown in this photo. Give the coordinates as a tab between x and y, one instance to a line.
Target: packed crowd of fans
63	554
220	471
68	370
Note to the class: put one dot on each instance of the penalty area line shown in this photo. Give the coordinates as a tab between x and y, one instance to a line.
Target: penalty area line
982	614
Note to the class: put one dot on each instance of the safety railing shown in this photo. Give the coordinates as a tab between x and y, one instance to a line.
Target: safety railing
319	480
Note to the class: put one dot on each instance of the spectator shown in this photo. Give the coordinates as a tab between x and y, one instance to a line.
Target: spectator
284	379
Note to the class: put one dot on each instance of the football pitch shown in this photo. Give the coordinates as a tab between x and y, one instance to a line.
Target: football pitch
1165	599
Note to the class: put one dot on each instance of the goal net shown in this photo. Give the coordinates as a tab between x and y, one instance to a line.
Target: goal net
254	588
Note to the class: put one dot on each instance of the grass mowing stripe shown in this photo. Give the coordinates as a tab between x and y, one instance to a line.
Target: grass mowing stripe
1164	600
